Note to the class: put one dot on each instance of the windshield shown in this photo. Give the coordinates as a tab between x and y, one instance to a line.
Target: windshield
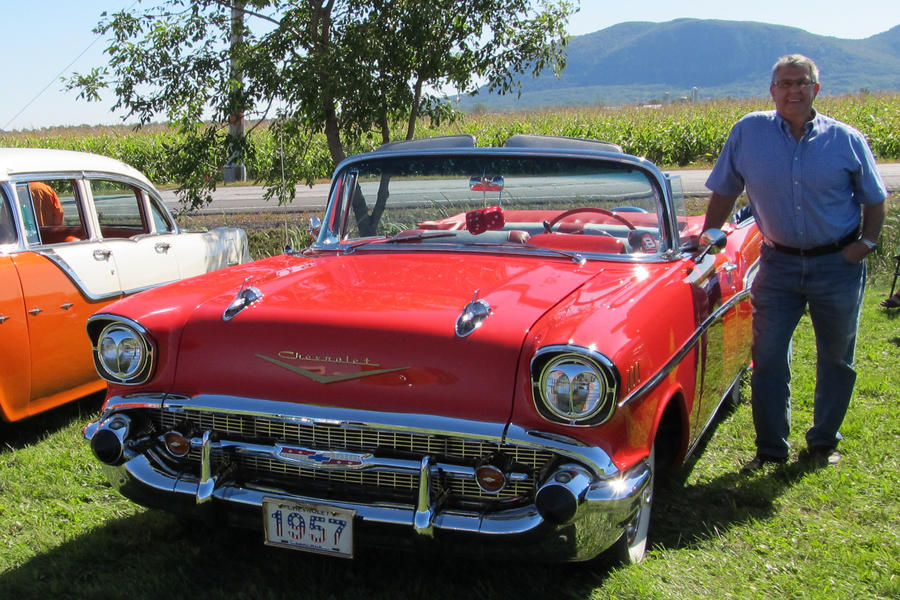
560	203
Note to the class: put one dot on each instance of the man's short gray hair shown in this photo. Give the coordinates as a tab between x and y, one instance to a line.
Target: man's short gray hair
797	60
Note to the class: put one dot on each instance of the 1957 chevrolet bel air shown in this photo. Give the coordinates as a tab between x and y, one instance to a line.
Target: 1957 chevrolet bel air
491	349
78	231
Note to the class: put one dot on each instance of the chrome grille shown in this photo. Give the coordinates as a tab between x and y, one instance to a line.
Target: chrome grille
446	448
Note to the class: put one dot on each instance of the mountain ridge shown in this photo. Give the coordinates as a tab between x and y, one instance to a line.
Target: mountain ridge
639	61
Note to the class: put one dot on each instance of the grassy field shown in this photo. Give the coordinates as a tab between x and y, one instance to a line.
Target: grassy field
789	532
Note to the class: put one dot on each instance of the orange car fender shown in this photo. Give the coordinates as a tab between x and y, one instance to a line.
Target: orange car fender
15	368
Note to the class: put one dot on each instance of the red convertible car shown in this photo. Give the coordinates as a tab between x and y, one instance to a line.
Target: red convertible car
485	349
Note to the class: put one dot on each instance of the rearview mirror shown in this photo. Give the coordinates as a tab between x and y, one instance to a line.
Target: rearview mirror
486	183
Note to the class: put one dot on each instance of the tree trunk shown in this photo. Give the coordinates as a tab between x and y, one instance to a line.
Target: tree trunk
321	28
385	126
414	110
333	133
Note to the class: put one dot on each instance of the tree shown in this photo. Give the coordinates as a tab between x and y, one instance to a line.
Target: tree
345	68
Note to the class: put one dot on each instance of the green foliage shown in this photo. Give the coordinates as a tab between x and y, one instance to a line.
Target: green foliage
340	69
273	241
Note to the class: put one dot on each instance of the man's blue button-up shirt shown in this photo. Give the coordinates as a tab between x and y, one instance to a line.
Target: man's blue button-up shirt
804	194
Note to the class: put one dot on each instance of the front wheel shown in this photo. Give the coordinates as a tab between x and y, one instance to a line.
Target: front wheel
632	546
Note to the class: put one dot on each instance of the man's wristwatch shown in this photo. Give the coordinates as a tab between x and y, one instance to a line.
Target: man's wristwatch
869	243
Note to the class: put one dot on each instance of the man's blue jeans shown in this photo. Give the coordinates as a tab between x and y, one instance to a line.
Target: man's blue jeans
785	285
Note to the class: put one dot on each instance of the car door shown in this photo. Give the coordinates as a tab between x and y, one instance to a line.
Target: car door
67	240
130	232
15	361
59	282
722	311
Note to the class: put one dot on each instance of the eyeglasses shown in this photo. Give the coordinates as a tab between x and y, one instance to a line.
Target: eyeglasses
786	84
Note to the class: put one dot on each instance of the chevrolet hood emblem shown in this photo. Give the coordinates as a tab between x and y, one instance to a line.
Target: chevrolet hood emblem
326	378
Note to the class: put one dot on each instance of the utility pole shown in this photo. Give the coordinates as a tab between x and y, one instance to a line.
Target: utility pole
234	168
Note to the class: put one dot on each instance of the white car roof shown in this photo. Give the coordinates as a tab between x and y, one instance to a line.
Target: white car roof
14	161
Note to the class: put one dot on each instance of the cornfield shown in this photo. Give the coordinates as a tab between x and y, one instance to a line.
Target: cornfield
675	135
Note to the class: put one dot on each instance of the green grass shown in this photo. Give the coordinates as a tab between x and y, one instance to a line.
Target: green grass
788	532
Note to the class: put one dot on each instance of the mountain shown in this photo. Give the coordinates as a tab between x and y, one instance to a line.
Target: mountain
640	61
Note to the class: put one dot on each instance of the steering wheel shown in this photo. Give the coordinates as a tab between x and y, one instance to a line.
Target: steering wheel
588	209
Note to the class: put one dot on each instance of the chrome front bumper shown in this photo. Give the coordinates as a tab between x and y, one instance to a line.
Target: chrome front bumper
603	500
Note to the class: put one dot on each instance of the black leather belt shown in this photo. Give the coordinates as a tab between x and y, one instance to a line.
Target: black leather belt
818	250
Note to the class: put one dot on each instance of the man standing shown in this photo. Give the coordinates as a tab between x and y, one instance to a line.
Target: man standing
818	199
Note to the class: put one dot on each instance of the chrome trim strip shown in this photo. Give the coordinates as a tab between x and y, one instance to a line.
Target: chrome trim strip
687	347
56	259
712	416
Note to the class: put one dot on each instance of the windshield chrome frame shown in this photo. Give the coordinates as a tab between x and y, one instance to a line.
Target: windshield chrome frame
346	172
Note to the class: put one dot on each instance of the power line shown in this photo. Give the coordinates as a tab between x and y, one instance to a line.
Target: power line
58	76
46	87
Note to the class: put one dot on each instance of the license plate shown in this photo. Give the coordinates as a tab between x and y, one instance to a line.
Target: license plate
308	526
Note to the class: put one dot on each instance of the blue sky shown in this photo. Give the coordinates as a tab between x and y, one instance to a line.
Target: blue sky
51	38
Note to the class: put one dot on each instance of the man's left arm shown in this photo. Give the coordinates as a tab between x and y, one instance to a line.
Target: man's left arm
872	221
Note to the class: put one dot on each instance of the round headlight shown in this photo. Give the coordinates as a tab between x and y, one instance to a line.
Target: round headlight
122	354
574	388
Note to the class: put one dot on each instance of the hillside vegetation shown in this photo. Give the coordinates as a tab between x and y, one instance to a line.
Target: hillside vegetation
640	61
670	136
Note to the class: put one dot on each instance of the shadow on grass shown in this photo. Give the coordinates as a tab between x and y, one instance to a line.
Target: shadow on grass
30	431
154	555
686	514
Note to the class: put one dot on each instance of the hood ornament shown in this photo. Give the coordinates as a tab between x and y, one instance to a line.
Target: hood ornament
473	315
245	297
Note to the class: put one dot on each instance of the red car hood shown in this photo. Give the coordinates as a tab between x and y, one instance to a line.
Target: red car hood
377	332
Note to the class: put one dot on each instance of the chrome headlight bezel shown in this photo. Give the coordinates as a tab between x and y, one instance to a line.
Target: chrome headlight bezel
599	385
134	357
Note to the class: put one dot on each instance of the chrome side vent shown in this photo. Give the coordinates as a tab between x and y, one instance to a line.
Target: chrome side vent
633	377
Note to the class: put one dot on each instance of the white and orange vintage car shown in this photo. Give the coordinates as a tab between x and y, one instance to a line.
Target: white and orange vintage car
78	231
486	349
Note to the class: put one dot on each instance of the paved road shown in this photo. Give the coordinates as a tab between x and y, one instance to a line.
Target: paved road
250	198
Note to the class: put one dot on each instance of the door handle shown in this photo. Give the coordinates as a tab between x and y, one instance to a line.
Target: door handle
162	247
101	254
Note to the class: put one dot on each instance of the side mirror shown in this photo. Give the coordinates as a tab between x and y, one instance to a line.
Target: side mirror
314	226
712	241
